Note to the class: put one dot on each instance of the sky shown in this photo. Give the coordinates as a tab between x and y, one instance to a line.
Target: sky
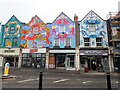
48	10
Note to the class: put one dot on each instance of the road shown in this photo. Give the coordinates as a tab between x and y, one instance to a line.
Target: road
60	79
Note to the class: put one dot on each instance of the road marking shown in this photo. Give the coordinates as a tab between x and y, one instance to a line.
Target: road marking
86	82
60	80
25	80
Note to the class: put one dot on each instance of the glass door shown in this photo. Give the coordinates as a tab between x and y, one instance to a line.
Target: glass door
70	60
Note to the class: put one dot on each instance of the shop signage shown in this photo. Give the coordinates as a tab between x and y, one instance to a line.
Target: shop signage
33	50
93	52
8	44
9	51
40	50
116	51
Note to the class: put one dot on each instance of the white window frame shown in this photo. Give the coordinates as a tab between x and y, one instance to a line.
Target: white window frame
34	30
87	42
40	42
99	42
55	41
12	29
65	42
92	28
62	28
30	42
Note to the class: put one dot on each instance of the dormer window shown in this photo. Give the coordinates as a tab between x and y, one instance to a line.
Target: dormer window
35	29
92	27
12	29
62	28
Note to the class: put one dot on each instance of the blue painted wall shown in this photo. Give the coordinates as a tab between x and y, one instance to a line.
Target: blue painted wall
69	32
100	31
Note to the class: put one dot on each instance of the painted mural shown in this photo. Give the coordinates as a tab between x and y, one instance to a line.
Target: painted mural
12	30
100	29
67	31
37	32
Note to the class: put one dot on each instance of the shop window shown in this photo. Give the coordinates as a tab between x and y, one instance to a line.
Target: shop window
35	29
24	55
67	42
40	42
92	27
30	43
39	55
15	41
62	28
98	41
56	42
86	41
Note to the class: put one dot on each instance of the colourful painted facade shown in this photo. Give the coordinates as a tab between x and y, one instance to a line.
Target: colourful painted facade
11	32
61	29
35	34
98	29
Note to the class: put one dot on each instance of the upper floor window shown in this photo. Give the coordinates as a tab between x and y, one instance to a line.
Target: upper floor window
35	29
98	41
15	41
86	41
56	42
92	27
12	29
67	42
62	28
40	42
30	42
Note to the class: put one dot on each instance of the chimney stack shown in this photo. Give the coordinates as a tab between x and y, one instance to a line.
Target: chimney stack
75	17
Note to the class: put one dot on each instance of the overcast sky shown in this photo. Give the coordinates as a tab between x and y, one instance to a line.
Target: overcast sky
48	10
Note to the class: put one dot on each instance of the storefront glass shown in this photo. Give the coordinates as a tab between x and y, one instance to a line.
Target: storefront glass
36	60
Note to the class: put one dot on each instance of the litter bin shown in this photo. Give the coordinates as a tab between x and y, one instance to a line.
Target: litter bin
86	69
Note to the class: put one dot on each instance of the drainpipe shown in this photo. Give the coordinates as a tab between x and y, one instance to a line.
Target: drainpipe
47	58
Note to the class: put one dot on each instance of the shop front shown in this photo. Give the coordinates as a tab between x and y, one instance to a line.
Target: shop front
34	58
95	60
116	60
62	59
10	55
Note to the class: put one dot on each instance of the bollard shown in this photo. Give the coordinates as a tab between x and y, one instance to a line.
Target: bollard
40	80
108	82
6	70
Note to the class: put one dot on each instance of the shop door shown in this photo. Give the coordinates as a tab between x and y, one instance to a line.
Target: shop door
60	61
70	61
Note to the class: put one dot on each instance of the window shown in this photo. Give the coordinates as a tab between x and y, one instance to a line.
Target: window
67	42
62	28
12	29
29	43
86	41
40	42
15	41
98	41
35	29
56	42
92	27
